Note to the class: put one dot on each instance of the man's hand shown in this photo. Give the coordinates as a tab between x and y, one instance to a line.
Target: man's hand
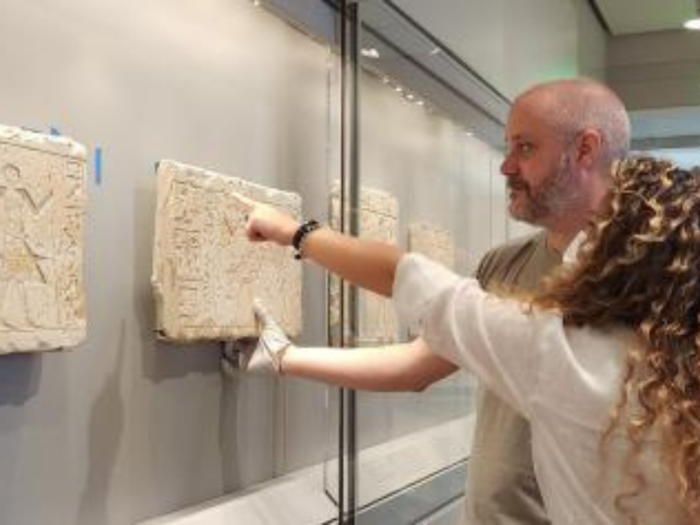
265	223
263	356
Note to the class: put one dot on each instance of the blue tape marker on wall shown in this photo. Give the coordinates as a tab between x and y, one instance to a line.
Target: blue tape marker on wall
98	165
54	131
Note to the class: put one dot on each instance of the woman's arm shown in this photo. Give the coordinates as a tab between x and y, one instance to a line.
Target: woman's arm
368	264
401	367
396	368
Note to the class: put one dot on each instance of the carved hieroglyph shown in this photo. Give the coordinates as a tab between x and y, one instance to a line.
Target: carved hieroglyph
432	241
379	212
42	213
205	272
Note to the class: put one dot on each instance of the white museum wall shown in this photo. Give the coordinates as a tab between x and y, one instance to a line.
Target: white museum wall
512	43
123	427
593	43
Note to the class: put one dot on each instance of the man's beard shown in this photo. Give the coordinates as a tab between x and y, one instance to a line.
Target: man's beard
557	194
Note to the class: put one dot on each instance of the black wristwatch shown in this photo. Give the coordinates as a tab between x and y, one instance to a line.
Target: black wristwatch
305	229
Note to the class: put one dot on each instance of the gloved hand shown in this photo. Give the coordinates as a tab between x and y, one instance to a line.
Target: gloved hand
260	356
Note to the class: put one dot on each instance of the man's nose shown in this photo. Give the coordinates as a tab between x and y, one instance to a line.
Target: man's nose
509	166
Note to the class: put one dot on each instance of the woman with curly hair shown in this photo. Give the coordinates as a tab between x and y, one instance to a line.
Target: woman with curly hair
637	283
605	364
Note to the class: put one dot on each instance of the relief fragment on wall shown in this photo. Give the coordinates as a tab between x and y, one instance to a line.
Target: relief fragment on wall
378	220
432	241
206	273
42	213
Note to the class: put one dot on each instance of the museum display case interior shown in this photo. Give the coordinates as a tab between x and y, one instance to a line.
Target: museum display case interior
129	131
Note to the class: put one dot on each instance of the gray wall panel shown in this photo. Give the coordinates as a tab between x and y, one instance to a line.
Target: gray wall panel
124	427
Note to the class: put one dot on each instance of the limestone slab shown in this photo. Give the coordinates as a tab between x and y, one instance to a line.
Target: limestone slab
205	272
432	241
42	215
378	220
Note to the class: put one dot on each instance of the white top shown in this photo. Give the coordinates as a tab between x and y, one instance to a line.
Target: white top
563	380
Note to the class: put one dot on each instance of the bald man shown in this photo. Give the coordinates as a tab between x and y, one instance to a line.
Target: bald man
562	140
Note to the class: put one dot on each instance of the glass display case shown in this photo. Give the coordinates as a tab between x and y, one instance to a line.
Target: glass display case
425	175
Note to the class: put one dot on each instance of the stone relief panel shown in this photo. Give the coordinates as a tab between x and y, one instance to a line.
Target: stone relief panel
379	214
205	271
432	241
42	215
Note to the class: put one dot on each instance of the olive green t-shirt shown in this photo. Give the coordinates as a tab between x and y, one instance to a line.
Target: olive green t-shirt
501	484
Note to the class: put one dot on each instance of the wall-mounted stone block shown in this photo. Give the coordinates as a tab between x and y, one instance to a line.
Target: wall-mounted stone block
205	271
42	215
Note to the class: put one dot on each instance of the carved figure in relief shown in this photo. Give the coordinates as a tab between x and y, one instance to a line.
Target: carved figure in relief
205	274
42	208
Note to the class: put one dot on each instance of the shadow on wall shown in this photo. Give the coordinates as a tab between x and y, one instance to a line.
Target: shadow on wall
161	360
105	433
19	378
247	430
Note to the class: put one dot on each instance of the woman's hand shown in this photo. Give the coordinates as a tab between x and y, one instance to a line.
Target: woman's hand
265	223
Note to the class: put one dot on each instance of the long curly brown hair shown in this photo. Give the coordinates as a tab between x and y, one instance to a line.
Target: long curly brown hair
640	268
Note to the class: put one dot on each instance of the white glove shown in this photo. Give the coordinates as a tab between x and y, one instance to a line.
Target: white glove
259	356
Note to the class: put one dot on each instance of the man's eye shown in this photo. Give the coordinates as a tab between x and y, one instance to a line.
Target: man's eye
525	148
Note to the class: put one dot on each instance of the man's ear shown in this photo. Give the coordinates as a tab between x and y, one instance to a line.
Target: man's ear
589	143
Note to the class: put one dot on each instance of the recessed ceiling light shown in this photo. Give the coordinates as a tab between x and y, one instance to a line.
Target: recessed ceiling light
693	24
370	52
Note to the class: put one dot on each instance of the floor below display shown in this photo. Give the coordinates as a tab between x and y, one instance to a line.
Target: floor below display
301	497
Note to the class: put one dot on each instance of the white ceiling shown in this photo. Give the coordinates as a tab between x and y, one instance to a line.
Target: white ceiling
625	17
622	17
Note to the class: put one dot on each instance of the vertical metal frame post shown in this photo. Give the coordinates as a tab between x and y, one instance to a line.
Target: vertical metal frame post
349	223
